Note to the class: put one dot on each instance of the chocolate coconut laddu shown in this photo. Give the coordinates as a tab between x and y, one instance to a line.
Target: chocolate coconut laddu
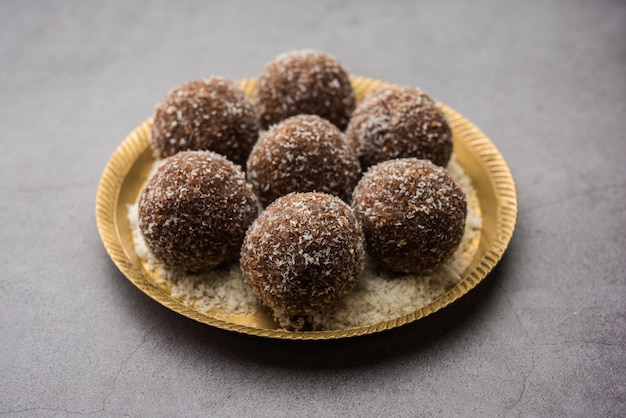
303	153
194	211
304	82
304	253
400	122
210	114
412	213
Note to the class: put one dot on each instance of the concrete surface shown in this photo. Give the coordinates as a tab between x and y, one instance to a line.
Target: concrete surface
543	335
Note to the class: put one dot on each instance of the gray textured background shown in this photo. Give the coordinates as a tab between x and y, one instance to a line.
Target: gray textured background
543	335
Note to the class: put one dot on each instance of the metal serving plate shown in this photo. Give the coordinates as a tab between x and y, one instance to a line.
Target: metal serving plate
128	168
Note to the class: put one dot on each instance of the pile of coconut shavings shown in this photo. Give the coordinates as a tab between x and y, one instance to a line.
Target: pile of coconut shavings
221	290
378	297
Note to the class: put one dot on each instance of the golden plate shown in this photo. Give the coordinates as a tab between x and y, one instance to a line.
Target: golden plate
129	166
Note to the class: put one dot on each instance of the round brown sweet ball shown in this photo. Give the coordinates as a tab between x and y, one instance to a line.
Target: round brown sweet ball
210	114
304	253
308	82
194	211
400	122
413	214
303	153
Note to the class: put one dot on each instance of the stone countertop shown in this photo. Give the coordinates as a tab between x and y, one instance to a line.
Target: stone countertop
543	335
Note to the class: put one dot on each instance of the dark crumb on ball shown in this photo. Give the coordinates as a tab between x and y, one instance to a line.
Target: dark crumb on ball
304	253
194	212
211	114
400	122
305	82
412	212
303	153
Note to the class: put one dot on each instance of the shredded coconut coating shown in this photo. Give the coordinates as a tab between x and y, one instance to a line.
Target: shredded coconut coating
304	253
194	211
210	114
413	214
400	122
303	153
305	82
